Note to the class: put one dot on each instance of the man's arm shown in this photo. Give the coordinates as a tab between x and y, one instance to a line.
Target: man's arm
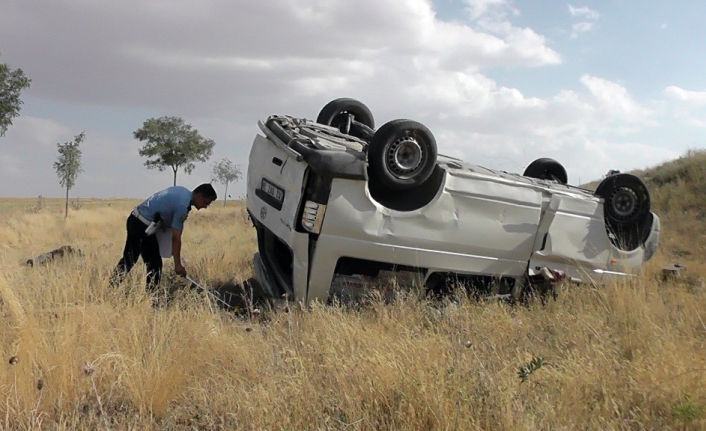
176	252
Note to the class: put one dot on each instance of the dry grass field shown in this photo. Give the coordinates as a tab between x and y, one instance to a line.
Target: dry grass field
76	355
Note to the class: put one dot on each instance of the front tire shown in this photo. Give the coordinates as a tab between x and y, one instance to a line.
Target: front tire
402	155
347	115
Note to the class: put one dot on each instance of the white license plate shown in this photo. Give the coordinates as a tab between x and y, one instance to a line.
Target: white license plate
271	189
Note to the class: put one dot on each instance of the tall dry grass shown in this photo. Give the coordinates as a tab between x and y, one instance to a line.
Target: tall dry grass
76	355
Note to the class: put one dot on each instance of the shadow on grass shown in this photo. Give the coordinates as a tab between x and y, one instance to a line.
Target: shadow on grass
244	296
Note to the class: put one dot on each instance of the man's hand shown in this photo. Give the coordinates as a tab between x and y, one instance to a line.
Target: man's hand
176	252
180	270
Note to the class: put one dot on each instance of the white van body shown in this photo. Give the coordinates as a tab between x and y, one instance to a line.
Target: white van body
324	230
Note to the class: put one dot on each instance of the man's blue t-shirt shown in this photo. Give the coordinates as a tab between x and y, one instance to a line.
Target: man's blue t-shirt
172	204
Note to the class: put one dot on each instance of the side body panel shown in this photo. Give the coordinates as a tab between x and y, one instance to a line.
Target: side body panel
479	226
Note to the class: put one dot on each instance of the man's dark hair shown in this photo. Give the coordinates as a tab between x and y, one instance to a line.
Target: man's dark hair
206	190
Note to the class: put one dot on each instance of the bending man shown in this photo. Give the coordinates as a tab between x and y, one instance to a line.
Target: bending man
167	209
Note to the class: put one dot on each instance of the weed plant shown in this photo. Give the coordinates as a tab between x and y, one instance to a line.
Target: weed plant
77	355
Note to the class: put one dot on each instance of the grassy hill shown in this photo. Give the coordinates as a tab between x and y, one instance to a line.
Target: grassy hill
77	355
677	189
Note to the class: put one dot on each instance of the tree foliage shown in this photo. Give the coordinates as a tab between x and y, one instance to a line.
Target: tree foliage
226	172
68	164
12	82
171	143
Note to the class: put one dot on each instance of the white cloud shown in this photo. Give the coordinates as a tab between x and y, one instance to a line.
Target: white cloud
476	119
495	9
583	12
687	105
212	56
614	100
580	27
224	65
588	17
607	153
697	122
692	99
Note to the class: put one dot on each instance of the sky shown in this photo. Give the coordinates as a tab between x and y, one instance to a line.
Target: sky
596	85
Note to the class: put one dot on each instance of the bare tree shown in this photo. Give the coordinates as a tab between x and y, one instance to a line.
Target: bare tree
68	165
226	172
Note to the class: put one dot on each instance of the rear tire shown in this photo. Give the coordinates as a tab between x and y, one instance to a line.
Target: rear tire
547	169
626	210
627	199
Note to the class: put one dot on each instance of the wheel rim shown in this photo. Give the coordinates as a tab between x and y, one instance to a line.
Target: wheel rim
623	203
404	157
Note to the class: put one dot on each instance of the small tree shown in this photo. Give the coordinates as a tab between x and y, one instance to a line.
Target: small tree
226	172
12	82
173	144
68	165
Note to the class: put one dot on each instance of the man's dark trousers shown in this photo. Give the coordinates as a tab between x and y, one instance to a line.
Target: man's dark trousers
138	244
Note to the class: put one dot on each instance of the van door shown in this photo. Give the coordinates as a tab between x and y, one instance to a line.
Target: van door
572	237
275	183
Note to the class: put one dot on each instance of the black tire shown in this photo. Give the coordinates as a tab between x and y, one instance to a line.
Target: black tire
627	199
402	155
547	169
341	113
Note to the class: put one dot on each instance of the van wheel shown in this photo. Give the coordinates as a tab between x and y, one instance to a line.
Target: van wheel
347	115
402	155
546	169
627	199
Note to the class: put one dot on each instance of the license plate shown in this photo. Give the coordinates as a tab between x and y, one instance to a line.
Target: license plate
271	189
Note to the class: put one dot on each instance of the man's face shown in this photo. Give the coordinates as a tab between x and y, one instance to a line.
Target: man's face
201	201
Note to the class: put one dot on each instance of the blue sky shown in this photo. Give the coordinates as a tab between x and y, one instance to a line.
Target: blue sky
597	85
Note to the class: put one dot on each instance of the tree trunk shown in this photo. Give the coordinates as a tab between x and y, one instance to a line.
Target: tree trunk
175	172
66	213
225	196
